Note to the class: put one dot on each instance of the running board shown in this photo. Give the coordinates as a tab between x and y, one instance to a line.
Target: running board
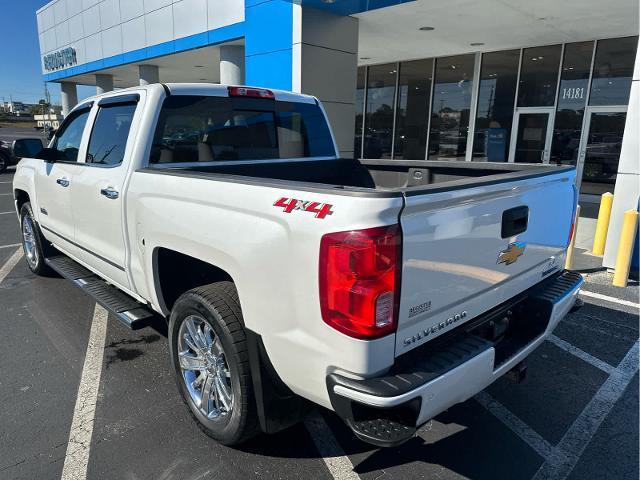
129	311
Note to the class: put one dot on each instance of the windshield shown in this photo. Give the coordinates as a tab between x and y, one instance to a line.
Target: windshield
205	129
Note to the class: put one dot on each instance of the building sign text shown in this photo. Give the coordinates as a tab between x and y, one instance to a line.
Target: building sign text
60	59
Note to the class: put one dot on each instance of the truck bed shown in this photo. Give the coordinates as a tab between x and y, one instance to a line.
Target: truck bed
377	177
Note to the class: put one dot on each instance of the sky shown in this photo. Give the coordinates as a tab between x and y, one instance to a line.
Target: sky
20	71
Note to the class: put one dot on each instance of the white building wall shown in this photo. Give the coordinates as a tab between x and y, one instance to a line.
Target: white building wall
100	29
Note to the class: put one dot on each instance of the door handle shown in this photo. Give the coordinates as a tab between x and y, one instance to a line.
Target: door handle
63	182
110	193
515	221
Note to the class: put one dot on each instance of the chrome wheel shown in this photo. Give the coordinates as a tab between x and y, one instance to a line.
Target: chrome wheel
29	241
204	368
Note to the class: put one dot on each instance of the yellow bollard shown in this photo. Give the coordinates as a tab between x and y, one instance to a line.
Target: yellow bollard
602	227
568	264
625	248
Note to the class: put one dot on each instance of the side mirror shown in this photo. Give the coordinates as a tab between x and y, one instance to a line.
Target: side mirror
26	147
50	155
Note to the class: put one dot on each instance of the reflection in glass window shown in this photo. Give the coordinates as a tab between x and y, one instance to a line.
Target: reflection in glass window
194	128
572	97
539	76
612	71
412	114
378	126
109	135
451	106
360	84
497	93
604	143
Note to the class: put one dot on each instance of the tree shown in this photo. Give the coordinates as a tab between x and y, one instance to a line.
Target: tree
41	108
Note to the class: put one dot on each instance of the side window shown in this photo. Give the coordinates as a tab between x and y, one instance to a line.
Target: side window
109	134
67	142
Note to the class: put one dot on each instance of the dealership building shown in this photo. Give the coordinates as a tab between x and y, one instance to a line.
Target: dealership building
459	80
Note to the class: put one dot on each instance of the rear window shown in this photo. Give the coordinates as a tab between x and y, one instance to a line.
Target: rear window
205	129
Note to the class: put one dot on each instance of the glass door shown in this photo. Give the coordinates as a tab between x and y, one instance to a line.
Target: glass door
600	153
533	132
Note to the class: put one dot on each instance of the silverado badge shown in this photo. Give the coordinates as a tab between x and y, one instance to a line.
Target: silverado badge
512	253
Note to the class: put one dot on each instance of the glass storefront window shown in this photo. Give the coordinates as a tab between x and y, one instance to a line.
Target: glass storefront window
451	106
539	76
496	96
613	71
412	111
360	92
604	143
572	97
378	117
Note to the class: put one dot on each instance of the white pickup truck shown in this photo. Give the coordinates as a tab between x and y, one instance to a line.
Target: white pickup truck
384	290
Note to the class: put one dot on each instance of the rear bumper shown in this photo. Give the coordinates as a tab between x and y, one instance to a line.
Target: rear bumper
387	410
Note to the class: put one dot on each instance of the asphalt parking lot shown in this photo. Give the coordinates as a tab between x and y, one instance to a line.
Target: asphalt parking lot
575	417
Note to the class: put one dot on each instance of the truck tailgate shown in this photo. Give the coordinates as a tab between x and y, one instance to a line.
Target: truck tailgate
462	253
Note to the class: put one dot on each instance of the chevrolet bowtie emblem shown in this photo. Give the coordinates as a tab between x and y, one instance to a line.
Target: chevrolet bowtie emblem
512	253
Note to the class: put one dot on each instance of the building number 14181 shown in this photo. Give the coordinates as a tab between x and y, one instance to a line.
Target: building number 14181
573	93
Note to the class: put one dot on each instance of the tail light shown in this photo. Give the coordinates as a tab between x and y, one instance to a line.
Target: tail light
251	92
574	214
360	281
571	231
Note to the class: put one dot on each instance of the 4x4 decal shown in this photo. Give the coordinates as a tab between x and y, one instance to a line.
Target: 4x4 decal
290	204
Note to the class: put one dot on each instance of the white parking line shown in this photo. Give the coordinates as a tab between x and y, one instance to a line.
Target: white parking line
330	450
7	194
10	246
581	354
517	426
9	264
577	438
77	456
607	298
6	213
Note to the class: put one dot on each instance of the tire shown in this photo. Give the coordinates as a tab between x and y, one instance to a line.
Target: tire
4	163
211	315
35	246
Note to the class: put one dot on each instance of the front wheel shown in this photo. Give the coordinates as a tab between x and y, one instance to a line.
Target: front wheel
210	357
4	163
33	243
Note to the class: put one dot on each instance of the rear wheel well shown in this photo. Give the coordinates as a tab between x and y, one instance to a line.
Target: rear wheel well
177	273
21	197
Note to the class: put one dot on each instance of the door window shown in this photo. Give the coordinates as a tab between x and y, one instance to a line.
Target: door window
109	135
532	137
67	142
